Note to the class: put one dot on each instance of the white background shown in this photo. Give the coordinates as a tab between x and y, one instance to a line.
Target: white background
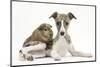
5	25
28	16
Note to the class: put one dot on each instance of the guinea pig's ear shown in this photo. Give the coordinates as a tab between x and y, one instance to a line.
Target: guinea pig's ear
71	16
54	15
40	28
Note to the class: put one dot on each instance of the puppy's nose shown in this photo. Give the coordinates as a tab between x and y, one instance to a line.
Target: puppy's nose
62	33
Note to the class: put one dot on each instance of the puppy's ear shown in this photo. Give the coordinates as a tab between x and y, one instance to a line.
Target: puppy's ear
54	15
71	16
50	26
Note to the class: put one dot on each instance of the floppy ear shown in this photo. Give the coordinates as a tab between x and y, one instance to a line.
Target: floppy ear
40	27
54	15
71	16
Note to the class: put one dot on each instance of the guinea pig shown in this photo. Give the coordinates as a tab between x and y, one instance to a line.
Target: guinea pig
43	34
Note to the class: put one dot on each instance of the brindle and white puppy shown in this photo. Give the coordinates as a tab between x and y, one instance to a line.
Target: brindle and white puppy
36	44
62	42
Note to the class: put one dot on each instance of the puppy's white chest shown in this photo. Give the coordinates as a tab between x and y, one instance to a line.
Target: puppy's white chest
61	46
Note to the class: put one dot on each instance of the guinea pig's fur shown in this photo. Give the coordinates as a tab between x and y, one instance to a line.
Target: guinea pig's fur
43	34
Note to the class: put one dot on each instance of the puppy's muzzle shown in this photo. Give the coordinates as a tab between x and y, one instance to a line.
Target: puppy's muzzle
62	33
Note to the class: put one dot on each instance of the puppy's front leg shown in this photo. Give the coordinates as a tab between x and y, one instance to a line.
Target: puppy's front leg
77	53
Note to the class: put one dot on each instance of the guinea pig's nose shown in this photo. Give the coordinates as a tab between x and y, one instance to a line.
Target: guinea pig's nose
50	34
62	33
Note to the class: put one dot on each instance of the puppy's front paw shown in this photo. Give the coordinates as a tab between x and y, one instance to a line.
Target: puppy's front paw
57	58
55	55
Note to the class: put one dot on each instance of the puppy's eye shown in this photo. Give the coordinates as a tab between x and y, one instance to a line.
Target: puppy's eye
58	23
67	23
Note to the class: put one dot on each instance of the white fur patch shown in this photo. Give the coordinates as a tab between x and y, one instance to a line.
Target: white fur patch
59	48
62	29
40	46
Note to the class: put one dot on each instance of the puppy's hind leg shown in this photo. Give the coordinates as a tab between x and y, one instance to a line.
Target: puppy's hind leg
40	46
77	53
23	56
25	50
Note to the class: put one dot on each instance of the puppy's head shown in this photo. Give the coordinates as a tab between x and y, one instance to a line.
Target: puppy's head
62	21
46	31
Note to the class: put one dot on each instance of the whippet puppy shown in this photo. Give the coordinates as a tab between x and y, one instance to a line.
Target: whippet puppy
62	42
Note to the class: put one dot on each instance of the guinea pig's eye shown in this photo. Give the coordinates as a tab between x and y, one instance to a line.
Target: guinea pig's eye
58	23
45	29
67	23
